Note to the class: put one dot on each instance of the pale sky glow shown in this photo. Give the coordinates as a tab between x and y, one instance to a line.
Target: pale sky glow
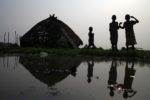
21	15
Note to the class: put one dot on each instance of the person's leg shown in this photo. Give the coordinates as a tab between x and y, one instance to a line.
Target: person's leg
94	46
112	46
133	48
116	47
127	47
88	46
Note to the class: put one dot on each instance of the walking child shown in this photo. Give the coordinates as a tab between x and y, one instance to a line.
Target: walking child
91	38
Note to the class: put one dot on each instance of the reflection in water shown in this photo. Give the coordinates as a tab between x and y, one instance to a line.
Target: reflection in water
73	71
57	77
128	80
90	71
7	62
112	84
53	91
126	88
51	70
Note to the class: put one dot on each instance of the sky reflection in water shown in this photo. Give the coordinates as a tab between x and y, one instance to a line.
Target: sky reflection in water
57	78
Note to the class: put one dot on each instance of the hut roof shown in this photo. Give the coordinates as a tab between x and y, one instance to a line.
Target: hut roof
53	29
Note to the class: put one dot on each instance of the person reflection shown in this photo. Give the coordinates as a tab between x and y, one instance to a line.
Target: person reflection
112	84
128	80
73	71
90	71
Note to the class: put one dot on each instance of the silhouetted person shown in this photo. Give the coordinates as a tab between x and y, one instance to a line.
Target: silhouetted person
90	71
129	76
113	28
128	80
73	71
91	38
130	36
112	84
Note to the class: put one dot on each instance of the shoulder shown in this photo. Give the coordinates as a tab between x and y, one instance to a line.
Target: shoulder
124	23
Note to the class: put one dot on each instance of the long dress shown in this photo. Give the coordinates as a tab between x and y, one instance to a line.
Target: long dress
113	28
130	37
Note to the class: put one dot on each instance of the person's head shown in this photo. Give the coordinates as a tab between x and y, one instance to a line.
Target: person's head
89	80
127	17
111	93
90	29
125	94
114	17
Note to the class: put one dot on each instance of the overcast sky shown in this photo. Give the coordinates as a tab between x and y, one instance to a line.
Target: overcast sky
22	15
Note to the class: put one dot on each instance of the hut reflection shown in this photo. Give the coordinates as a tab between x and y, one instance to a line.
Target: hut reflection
51	70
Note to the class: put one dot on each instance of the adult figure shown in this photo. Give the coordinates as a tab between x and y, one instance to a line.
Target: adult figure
91	38
130	36
113	29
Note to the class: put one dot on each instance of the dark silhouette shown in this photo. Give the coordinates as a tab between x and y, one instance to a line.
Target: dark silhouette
113	28
51	69
90	71
51	33
128	80
130	36
73	71
91	38
112	84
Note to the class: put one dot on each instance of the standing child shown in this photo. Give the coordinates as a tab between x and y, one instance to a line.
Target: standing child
91	38
128	25
113	28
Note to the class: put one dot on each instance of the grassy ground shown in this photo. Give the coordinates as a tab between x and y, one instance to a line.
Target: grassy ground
85	52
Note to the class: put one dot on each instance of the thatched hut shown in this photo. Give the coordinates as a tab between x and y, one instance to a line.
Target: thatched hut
51	33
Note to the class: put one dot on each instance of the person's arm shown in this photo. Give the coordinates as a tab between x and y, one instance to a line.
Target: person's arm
136	20
110	27
133	94
122	27
118	26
